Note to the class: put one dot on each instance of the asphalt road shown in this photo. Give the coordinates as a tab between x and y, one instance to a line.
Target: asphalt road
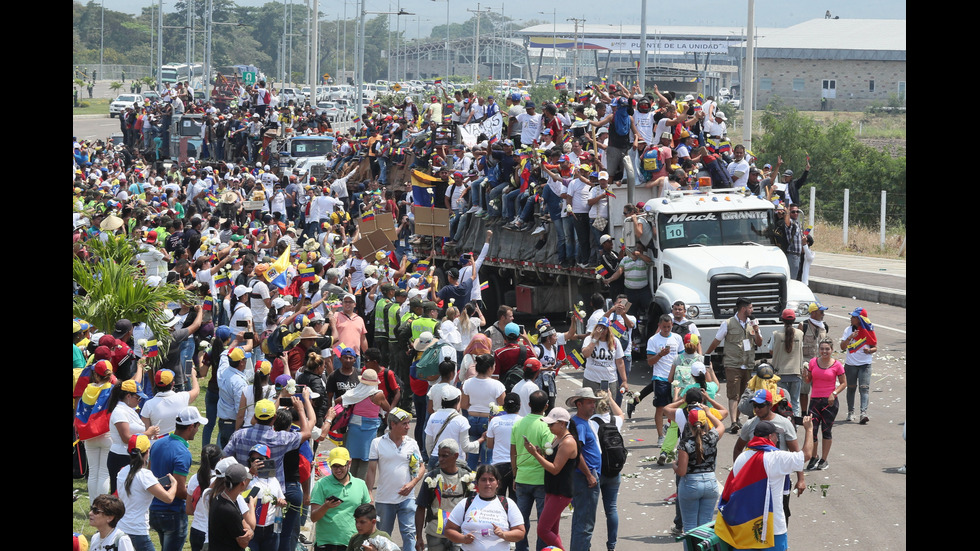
90	127
865	501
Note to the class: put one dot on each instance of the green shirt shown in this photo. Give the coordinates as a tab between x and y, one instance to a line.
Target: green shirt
357	540
529	471
77	358
337	525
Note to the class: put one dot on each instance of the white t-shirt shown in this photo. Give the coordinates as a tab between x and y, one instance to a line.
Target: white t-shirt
136	522
743	167
549	356
512	113
435	395
778	464
655	344
393	467
644	125
482	392
259	310
600	209
579	192
241	312
123	414
117	540
163	408
601	365
530	127
524	390
458	430
266	510
480	519
500	429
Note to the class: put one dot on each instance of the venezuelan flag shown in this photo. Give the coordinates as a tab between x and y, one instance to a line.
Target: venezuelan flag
422	266
610	194
208	304
438	82
307	273
276	274
368	216
442	520
422	183
745	519
601	270
865	334
618	328
485	286
91	417
576	359
221	280
151	350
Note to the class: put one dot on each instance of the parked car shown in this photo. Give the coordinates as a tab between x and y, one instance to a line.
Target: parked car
123	101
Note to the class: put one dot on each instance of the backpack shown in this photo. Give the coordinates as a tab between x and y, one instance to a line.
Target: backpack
515	374
338	429
613	448
428	364
500	498
385	376
681	328
651	160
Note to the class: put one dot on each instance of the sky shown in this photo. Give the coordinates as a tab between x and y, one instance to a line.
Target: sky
769	13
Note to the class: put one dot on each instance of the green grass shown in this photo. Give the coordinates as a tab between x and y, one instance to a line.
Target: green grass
96	106
80	507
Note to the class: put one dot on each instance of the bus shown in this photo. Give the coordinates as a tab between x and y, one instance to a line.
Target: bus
181	72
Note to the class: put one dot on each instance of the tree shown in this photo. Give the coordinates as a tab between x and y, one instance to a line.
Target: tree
115	86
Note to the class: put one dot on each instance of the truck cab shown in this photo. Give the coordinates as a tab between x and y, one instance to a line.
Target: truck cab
709	249
186	137
306	155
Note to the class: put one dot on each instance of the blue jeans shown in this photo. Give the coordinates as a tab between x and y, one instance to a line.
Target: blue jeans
697	495
792	385
454	221
464	221
405	511
495	195
552	203
290	521
527	495
571	239
226	427
510	203
628	364
211	412
265	539
143	543
171	526
609	488
585	500
476	192
478	425
858	378
383	176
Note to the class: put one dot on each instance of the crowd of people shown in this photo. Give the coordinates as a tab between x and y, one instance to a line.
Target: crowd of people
310	347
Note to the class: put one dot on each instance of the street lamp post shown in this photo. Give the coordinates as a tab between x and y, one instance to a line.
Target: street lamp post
447	36
554	36
360	55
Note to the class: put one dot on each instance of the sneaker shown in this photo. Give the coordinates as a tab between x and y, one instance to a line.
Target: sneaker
305	540
822	466
450	243
510	226
662	460
676	531
736	426
864	419
582	265
812	463
539	229
660	441
473	210
630	408
850	417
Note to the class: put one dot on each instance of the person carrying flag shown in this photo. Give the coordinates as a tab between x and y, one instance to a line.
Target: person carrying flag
747	517
860	342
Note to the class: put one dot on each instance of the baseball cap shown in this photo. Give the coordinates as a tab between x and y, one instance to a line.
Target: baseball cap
265	409
338	456
557	414
512	329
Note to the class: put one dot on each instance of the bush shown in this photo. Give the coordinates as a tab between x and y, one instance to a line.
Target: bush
839	161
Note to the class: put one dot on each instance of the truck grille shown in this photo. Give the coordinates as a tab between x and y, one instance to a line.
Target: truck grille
767	293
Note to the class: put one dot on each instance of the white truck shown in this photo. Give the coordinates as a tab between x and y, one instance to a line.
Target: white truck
707	250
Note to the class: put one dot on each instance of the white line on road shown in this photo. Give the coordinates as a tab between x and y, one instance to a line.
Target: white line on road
877	325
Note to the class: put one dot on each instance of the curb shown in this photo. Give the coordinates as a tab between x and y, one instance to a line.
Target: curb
893	297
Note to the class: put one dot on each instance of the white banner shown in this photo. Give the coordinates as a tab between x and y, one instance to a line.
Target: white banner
491	127
634	44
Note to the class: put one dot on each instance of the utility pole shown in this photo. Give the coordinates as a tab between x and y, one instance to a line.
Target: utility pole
476	43
748	83
574	85
314	52
641	72
159	44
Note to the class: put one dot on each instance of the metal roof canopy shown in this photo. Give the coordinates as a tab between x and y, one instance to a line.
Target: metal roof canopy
834	39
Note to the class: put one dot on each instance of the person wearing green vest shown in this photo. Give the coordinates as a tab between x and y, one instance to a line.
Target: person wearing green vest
400	357
385	320
528	472
741	337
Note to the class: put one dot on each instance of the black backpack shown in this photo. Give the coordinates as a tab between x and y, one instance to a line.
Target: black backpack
681	328
613	448
500	498
515	374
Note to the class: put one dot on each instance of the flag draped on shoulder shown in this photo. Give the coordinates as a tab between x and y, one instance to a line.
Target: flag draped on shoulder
422	183
91	416
745	518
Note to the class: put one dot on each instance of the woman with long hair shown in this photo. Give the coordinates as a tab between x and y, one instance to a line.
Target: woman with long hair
479	345
478	393
137	487
124	422
697	492
261	390
557	472
211	454
469	322
787	358
827	379
603	355
469	517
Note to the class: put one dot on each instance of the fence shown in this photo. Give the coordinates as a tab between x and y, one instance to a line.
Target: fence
887	211
110	72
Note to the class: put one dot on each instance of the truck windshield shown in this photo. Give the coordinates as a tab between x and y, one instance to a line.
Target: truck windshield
310	148
190	127
714	228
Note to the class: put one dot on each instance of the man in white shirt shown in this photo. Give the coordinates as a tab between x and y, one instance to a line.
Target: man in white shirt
662	348
738	169
397	456
530	124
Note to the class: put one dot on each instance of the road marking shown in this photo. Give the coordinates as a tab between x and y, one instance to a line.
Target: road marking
877	325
